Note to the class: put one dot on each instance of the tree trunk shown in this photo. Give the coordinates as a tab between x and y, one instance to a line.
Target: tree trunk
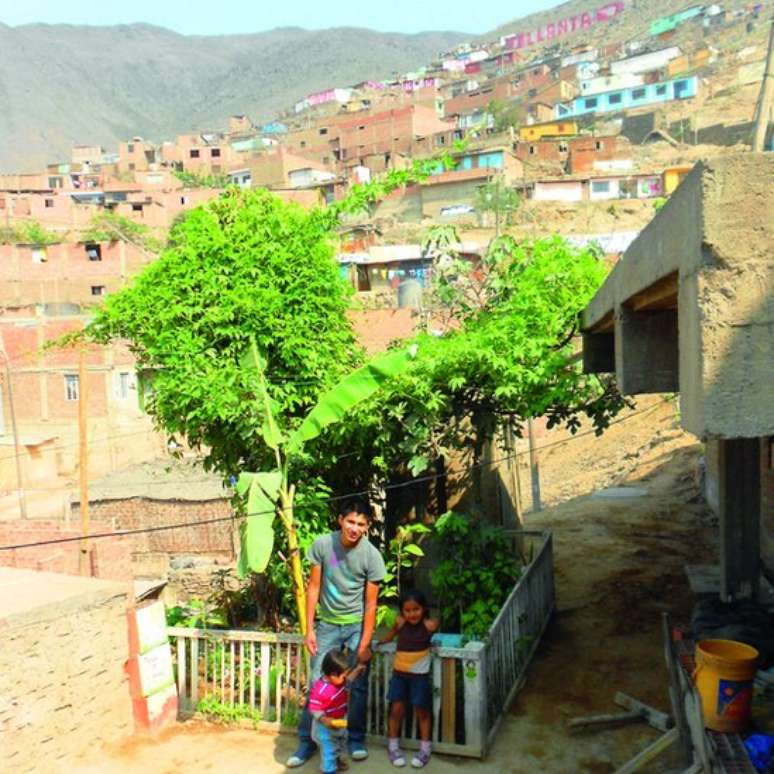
296	571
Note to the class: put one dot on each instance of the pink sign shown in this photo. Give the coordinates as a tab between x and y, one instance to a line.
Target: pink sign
564	26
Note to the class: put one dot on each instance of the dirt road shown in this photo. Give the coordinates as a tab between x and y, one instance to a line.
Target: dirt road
619	563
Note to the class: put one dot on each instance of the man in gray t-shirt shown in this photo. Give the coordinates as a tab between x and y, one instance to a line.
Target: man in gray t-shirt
346	570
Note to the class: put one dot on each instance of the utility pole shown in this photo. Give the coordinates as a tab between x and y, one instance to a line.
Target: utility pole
534	469
765	98
16	448
84	563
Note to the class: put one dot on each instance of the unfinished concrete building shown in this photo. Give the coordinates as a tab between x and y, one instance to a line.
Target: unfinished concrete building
690	309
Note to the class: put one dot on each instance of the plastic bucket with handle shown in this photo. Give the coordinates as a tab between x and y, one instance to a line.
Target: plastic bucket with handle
724	679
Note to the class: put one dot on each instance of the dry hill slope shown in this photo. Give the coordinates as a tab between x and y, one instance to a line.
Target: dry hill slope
62	84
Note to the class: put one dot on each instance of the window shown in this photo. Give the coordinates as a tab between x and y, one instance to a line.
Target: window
532	150
97	290
600	186
563	148
590	103
136	207
638	94
54	182
323	130
49	203
194	153
440	140
215	153
71	386
532	93
124	384
681	89
360	128
93	252
615	99
343	153
661	91
598	145
130	147
303	143
39	255
183	200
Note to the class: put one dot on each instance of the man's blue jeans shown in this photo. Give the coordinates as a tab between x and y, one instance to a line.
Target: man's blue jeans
336	637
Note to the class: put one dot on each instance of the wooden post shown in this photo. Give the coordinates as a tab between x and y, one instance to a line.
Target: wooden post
448	700
513	469
83	466
16	445
765	98
534	469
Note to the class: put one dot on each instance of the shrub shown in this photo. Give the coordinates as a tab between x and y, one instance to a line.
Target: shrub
476	571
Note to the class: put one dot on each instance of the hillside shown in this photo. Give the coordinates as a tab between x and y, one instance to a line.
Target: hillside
63	84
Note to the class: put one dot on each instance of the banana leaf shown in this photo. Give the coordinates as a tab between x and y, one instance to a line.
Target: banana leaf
256	532
358	386
254	361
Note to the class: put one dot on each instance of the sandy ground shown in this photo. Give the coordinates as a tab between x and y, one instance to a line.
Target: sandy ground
619	563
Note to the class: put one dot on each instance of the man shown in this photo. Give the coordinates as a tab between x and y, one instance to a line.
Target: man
345	575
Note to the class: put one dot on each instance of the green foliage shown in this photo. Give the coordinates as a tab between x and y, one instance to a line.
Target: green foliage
476	571
30	233
498	198
505	354
244	267
403	552
195	615
108	226
219	711
200	180
504	114
659	202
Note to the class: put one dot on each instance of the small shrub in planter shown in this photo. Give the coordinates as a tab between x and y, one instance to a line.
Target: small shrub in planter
476	571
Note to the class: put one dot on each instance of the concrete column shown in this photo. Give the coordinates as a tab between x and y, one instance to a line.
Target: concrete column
740	508
646	351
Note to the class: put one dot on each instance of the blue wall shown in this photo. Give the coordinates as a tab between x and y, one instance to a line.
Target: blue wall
625	99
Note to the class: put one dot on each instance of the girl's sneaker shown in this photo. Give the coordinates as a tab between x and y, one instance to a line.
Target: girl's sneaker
420	760
396	758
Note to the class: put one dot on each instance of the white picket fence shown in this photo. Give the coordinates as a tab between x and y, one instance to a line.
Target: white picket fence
473	685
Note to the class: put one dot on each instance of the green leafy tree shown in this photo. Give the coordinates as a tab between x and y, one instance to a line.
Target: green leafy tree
501	349
248	267
498	198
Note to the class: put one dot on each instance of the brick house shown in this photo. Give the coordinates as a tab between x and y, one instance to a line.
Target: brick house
45	387
135	155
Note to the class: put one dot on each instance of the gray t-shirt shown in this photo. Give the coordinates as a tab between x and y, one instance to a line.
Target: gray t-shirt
345	572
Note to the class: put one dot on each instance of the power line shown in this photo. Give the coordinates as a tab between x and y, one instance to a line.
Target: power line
330	500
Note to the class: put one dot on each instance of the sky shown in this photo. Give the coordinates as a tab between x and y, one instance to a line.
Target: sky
197	17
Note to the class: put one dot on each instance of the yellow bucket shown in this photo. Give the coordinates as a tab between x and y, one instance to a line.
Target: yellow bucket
724	679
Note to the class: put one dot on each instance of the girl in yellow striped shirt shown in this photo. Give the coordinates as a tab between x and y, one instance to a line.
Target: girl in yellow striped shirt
411	675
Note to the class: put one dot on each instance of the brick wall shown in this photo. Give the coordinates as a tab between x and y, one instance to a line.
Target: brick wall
110	557
65	688
150	552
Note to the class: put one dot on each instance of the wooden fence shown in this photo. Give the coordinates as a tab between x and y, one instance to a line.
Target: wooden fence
265	673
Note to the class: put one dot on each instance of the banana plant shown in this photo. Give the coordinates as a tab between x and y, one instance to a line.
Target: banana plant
270	494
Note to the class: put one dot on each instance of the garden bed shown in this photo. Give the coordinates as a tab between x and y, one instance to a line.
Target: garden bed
261	676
